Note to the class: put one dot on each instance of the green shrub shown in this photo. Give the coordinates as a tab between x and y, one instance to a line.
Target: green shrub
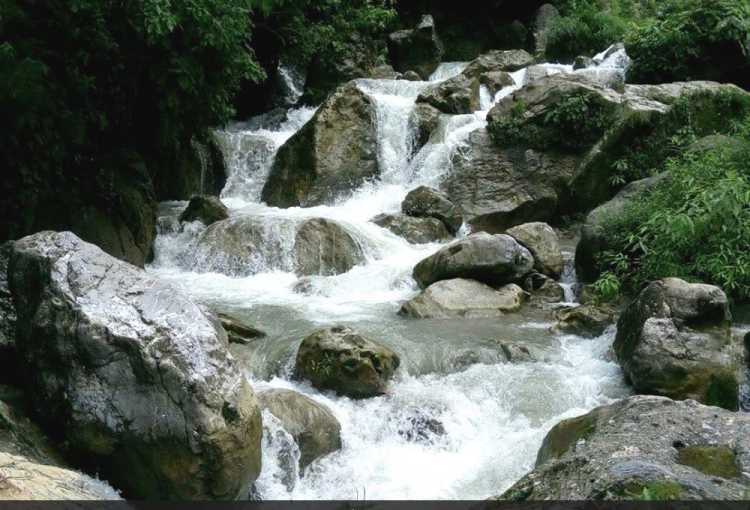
693	39
695	225
572	123
584	29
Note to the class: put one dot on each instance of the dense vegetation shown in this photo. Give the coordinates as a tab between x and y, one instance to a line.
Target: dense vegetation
695	224
669	40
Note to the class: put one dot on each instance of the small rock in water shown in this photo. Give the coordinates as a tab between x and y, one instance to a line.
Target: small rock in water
412	76
414	230
464	298
582	62
206	209
238	332
517	353
325	247
421	428
313	426
586	320
341	360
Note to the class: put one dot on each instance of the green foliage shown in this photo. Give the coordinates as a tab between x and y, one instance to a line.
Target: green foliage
695	225
691	117
87	83
692	39
583	29
574	122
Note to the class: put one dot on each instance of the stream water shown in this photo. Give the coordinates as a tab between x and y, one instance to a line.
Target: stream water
494	414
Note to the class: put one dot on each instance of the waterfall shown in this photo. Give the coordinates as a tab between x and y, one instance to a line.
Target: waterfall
493	415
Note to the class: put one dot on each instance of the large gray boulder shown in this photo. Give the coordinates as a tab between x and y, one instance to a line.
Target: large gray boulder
458	95
675	340
498	60
206	209
492	259
498	188
135	376
331	155
313	426
542	241
642	448
425	202
418	49
464	298
414	230
593	233
346	362
324	247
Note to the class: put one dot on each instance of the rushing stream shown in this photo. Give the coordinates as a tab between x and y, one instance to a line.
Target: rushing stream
494	414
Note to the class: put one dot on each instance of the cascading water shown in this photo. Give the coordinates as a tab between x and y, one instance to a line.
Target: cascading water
492	415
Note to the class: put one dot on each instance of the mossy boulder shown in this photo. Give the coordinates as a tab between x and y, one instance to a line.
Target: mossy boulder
675	340
642	447
585	320
498	60
341	360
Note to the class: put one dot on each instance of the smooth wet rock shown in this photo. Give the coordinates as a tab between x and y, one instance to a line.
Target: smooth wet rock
582	62
518	353
642	448
384	72
498	188
7	307
135	376
586	320
31	468
333	154
496	81
543	289
206	209
492	259
465	299
425	202
239	332
457	95
544	20
313	426
411	76
593	233
324	247
418	49
425	119
542	241
341	360
675	340
498	60
414	230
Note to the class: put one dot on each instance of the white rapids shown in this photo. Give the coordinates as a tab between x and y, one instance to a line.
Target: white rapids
494	414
